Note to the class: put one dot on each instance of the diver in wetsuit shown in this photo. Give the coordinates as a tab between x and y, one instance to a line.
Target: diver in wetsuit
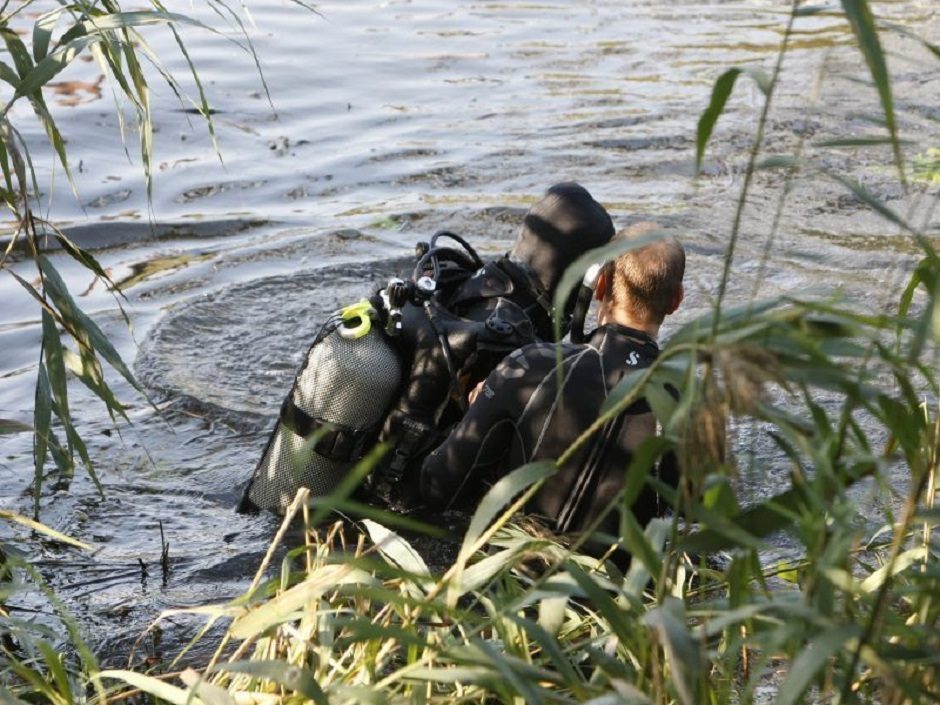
517	416
452	342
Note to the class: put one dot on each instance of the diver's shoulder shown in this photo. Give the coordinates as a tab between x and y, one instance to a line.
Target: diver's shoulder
542	354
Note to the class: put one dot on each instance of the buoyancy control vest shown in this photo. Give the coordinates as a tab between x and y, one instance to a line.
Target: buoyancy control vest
395	368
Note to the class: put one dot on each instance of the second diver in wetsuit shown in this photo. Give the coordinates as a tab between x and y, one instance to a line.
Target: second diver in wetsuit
519	416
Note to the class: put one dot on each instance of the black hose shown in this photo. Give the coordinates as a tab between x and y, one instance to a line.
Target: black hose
579	314
468	258
445	349
474	257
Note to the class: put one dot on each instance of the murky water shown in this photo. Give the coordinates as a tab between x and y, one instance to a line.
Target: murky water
392	120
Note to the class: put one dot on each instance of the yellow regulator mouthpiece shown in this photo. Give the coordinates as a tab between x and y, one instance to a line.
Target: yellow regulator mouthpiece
349	314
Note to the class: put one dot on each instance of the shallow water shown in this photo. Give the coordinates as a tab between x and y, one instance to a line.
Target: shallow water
393	120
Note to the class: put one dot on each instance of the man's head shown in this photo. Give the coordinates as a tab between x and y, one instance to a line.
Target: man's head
560	227
644	285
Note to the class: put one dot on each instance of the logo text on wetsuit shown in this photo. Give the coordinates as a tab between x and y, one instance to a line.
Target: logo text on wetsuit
633	359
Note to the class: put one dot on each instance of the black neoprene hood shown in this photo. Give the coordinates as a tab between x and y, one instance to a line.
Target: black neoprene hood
563	225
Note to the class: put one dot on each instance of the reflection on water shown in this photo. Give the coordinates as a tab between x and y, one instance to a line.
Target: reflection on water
392	120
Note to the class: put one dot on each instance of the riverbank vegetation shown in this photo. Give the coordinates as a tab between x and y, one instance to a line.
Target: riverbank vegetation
849	612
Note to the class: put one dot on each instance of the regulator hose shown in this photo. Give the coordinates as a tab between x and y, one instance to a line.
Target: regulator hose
583	303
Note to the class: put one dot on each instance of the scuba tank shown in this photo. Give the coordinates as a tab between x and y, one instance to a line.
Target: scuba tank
332	415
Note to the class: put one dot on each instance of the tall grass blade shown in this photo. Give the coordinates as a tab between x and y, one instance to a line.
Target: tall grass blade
8	75
62	685
9	426
720	94
289	604
88	261
396	549
153	686
49	67
55	364
76	643
475	576
638	544
43	529
644	459
463	674
22	60
56	289
42	32
549	646
300	680
812	659
862	22
365	630
210	693
500	495
759	521
42	422
618	620
905	560
324	506
529	691
385	517
87	370
75	441
682	649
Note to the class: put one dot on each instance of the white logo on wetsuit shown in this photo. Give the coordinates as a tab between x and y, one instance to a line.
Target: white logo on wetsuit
633	359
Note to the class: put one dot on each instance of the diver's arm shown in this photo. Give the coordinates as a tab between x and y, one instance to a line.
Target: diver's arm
479	445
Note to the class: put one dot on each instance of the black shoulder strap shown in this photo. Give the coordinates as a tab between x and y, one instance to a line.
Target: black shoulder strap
335	441
525	278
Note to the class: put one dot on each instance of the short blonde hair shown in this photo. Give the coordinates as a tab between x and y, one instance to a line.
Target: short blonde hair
647	280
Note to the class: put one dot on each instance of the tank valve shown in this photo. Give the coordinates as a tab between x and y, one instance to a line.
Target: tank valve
395	295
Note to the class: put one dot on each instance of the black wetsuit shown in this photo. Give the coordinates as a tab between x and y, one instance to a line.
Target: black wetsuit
518	417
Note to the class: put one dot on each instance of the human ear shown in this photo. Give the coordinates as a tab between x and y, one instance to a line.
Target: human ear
677	300
600	291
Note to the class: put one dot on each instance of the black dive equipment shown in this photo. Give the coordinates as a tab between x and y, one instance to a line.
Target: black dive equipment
583	303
